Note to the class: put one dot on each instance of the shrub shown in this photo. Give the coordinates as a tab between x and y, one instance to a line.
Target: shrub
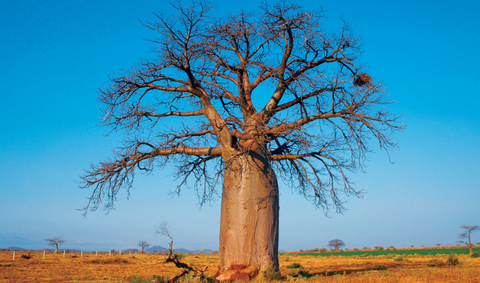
300	274
294	265
181	256
136	279
436	263
475	255
108	261
452	260
381	267
160	279
398	259
270	274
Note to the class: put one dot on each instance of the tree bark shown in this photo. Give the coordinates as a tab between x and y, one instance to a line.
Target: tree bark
249	216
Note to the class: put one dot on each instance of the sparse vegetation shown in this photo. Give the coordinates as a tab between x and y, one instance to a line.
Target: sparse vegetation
370	252
270	274
381	267
109	260
294	265
152	268
452	260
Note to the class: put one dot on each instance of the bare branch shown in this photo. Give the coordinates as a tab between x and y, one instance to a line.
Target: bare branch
162	229
275	79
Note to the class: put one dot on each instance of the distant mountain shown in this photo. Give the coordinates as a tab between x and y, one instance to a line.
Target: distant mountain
16	248
181	250
149	250
156	248
185	251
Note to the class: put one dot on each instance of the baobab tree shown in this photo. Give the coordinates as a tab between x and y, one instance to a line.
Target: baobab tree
336	243
466	235
143	244
55	241
235	101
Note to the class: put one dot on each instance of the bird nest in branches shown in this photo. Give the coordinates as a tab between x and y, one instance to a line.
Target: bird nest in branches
362	79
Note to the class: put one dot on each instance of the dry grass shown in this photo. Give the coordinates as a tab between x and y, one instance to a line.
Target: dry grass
122	268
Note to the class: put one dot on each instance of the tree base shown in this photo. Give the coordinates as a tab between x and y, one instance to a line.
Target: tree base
236	272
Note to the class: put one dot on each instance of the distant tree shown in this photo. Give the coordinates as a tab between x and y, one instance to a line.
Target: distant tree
438	245
336	243
236	101
466	235
55	241
143	244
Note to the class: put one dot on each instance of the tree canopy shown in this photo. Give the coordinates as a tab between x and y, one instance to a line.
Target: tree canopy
336	243
216	85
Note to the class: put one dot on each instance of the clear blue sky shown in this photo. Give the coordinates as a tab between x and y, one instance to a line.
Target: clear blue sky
56	54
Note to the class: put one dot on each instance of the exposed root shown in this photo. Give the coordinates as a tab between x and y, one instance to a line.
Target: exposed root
237	272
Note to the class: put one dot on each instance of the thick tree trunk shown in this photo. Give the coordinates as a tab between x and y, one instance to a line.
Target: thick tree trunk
249	217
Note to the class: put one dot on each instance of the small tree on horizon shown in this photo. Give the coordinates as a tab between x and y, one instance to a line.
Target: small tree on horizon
466	235
143	244
55	241
336	243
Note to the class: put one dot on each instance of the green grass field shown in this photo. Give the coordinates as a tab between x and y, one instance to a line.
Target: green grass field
395	252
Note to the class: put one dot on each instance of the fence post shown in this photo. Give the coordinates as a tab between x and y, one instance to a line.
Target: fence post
63	253
120	252
81	253
110	252
13	255
96	253
43	254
